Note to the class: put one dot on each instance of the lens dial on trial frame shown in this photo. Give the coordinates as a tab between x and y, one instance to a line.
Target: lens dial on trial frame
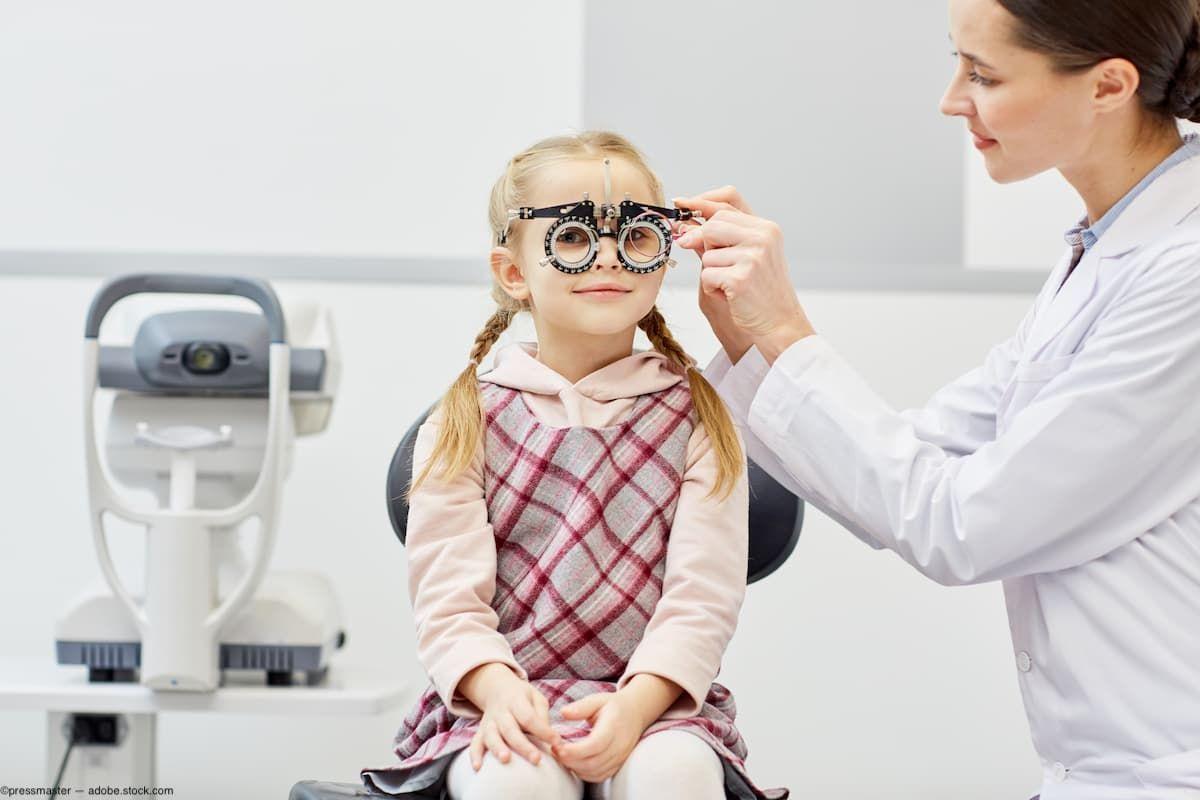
643	234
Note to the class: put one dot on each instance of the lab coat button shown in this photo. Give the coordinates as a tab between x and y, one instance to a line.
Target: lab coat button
1060	772
1024	662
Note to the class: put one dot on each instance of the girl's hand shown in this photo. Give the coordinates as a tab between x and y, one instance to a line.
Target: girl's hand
617	726
742	259
511	709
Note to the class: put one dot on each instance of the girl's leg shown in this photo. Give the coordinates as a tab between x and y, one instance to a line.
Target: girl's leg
670	764
518	778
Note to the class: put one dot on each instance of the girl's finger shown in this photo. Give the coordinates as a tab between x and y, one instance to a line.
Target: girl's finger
535	718
495	743
516	739
586	707
476	750
590	746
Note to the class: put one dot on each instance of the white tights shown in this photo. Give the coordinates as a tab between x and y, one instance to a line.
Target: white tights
666	764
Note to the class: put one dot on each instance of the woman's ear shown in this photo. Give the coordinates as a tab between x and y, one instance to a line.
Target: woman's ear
508	274
1116	83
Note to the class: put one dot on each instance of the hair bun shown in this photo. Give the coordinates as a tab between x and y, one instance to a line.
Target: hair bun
1183	97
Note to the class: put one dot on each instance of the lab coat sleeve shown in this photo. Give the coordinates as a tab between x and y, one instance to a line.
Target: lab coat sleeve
737	384
452	575
704	583
1104	451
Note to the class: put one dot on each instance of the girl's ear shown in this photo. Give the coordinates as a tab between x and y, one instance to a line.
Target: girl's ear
508	274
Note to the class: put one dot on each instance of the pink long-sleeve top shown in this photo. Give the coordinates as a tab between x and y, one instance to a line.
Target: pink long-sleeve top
452	551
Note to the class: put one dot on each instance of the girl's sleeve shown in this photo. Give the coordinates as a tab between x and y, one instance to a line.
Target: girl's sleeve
703	584
452	575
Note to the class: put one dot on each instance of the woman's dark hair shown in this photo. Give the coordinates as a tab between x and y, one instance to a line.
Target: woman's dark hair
1159	37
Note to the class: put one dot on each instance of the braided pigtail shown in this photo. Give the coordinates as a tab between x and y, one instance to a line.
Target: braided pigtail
709	406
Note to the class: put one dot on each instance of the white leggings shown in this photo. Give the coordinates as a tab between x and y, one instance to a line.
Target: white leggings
666	764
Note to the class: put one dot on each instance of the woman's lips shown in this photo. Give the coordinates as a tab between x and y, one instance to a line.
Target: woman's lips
982	142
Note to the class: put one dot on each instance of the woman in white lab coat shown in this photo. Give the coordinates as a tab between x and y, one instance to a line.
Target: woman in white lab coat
1067	465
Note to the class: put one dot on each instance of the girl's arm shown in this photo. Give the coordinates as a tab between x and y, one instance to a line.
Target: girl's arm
703	585
452	576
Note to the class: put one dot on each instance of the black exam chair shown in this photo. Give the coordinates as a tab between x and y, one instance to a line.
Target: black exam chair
776	516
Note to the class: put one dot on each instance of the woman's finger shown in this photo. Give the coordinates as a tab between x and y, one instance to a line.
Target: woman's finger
720	232
723	196
725	280
723	257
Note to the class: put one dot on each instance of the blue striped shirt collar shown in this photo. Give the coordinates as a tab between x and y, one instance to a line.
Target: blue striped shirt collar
1089	235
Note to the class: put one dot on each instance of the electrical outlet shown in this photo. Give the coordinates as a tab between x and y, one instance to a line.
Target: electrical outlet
96	729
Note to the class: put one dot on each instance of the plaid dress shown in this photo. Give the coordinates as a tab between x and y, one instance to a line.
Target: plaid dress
581	518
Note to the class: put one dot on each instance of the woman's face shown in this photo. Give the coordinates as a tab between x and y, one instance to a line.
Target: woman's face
605	299
1025	116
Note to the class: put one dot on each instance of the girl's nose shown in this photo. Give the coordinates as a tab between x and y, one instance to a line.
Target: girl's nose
606	257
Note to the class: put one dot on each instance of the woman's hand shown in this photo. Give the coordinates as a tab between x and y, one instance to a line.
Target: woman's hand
618	720
745	288
511	709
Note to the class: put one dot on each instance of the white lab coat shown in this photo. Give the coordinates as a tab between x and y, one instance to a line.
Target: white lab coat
1067	466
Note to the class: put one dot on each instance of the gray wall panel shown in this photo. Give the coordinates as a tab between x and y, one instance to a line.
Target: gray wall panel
823	114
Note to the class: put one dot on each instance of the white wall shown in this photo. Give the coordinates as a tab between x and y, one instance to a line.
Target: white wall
277	126
1017	225
855	677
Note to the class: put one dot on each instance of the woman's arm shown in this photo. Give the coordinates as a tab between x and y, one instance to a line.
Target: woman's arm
1104	452
452	576
738	384
703	584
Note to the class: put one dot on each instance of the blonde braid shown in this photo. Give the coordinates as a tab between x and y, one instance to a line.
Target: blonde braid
462	417
709	407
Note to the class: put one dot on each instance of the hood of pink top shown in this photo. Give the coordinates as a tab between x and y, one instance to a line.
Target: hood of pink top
641	372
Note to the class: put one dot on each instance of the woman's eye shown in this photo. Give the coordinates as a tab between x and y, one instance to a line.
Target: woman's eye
975	77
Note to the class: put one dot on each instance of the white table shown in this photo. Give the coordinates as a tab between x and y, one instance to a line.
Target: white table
33	684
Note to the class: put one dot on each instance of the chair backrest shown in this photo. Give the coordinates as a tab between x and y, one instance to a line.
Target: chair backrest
776	515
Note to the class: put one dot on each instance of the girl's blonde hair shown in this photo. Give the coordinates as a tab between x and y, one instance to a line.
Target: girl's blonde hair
462	417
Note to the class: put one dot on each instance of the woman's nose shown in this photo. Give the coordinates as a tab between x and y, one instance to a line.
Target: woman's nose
955	102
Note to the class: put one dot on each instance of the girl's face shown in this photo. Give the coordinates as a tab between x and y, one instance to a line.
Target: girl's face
605	299
1026	117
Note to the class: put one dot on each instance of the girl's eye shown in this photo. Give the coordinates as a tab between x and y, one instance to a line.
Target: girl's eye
571	237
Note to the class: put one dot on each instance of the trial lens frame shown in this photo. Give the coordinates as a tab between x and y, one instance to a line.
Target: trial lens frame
628	218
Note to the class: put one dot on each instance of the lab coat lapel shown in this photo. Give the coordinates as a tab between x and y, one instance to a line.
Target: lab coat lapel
1162	206
1061	306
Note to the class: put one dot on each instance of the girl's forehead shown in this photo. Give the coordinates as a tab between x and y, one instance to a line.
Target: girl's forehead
566	181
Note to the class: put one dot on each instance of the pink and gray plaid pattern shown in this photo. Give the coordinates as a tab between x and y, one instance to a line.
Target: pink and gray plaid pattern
581	518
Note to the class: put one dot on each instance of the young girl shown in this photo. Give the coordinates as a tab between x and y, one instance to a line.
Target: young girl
577	532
